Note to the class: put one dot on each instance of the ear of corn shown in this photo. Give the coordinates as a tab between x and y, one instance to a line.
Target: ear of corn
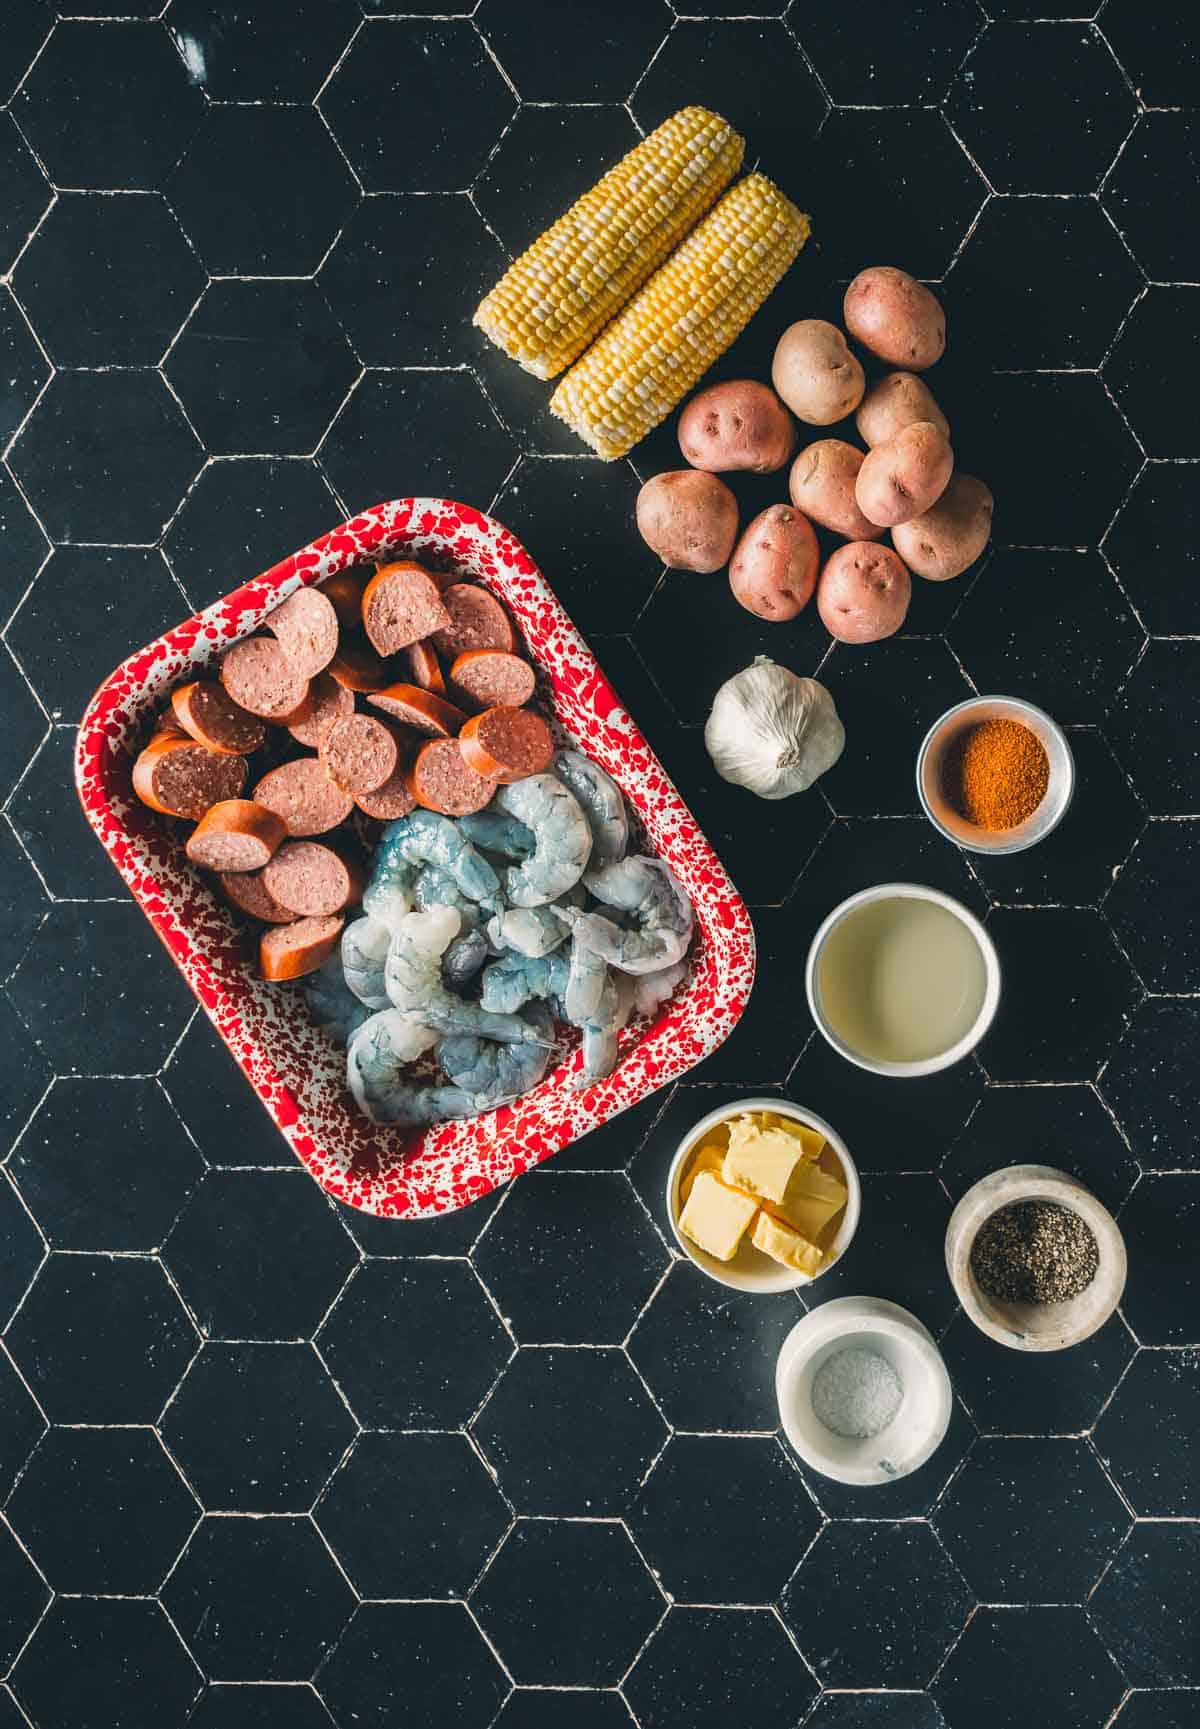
556	298
687	315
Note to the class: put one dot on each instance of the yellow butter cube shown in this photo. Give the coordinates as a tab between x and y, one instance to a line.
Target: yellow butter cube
783	1244
709	1158
812	1199
761	1160
809	1139
715	1217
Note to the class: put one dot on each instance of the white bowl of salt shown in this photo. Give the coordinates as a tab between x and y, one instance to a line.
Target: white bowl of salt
863	1392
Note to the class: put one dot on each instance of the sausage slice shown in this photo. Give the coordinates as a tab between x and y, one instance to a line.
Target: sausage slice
358	667
420	709
441	779
344	592
304	796
236	835
177	777
425	668
477	620
506	744
328	701
389	801
488	677
359	753
259	676
400	605
245	889
306	629
311	879
290	951
207	713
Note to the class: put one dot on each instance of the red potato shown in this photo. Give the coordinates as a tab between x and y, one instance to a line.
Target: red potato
737	425
903	478
290	951
359	753
945	540
262	678
306	629
863	592
774	570
328	701
207	713
506	744
311	879
822	483
477	620
401	604
304	796
236	835
688	519
896	317
894	402
815	373
177	777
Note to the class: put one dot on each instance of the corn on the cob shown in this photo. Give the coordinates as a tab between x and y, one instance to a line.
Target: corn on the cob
561	293
687	314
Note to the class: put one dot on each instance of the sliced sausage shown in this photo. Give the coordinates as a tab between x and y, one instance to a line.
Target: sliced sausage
311	879
304	796
344	591
358	667
306	629
420	709
207	713
290	951
177	777
477	620
389	801
259	676
236	835
401	604
491	677
425	668
359	753
245	889
506	744
328	701
441	779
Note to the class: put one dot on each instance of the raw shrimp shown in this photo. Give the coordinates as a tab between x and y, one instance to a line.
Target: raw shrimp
375	1063
364	950
425	838
528	930
564	840
601	801
389	891
651	990
646	889
413	974
498	833
463	959
515	979
586	978
600	1033
332	1004
495	1074
467	953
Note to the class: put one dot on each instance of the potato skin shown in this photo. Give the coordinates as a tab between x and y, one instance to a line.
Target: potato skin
896	317
904	477
895	401
774	570
739	424
947	538
821	484
689	519
863	592
815	373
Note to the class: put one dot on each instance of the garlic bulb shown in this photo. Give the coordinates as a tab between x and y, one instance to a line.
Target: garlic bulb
772	731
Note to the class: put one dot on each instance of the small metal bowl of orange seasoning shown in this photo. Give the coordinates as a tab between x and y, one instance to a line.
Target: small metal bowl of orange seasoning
995	774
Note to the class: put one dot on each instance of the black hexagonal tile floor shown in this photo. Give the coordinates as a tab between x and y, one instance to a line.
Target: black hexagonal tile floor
257	1428
23	1251
876	1711
24	1078
1158	1709
26	193
1158	529
1152	1084
567	1602
22	541
239	54
262	367
1153	727
46	816
1068	994
22	365
21	1424
1146	1612
1159	1223
571	147
426	1661
570	1430
1155	361
1028	1663
888	699
101	1339
533	50
705	1667
900	1239
440	1234
225	1119
27	24
27	907
412	1515
241	518
1163	148
863	57
1063	1126
25	724
896	1635
910	1497
259	1705
258	1599
130	1511
414	1344
259	1254
262	191
1152	907
23	1597
407	65
1023	1392
543	1708
93	1655
612	1145
1157	49
1146	1435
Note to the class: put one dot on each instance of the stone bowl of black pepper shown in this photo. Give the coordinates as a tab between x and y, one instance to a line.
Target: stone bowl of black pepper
1035	1260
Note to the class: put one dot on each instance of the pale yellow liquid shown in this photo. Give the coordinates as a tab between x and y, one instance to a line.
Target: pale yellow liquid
901	980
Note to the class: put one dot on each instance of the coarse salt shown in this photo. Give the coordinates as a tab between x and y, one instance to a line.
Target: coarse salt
856	1393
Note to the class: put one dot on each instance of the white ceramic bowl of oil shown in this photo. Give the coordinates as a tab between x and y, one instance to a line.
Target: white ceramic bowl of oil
902	980
871	1369
942	738
750	1269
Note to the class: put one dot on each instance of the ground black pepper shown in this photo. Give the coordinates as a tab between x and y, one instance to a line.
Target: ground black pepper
1034	1252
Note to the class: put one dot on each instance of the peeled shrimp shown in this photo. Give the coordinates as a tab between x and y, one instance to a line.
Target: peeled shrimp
600	799
515	979
389	891
375	1063
332	1004
600	1033
651	990
467	953
494	1074
365	944
646	889
425	838
413	974
528	930
498	833
463	959
563	839
587	976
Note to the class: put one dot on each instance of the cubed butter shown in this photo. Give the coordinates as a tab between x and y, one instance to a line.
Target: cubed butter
783	1244
709	1158
809	1139
812	1199
715	1217
761	1160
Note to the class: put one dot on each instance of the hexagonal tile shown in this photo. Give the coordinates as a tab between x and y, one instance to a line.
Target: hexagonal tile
24	1078
540	60
223	1114
1146	1436
705	1667
23	1597
1074	988
1166	1709
1146	1612
613	1144
1065	1126
414	1344
424	1660
259	1254
23	1251
435	429
243	55
1157	49
257	1428
567	1602
27	907
241	517
1151	906
412	1515
27	23
894	1636
901	1240
1152	1084
876	1711
259	1705
1158	529
92	1655
258	1599
572	148
538	1259
25	724
262	191
1020	73
543	1707
106	456
1020	1392
1154	363
406	66
1159	1222
888	700
1153	723
130	1511
884	1130
262	366
708	1352
21	1424
22	366
21	540
26	193
1028	1662
570	1431
121	1365
865	58
1163	146
47	817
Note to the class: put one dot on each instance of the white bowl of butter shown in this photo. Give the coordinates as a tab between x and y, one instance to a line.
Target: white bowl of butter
763	1195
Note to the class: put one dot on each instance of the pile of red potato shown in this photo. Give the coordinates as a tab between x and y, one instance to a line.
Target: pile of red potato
904	481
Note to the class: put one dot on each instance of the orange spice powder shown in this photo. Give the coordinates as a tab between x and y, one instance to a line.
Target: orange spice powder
997	774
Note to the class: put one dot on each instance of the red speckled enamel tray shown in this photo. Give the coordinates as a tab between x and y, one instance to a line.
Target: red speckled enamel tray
294	1068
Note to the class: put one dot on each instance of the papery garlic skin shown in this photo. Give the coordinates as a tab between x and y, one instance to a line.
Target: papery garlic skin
772	731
